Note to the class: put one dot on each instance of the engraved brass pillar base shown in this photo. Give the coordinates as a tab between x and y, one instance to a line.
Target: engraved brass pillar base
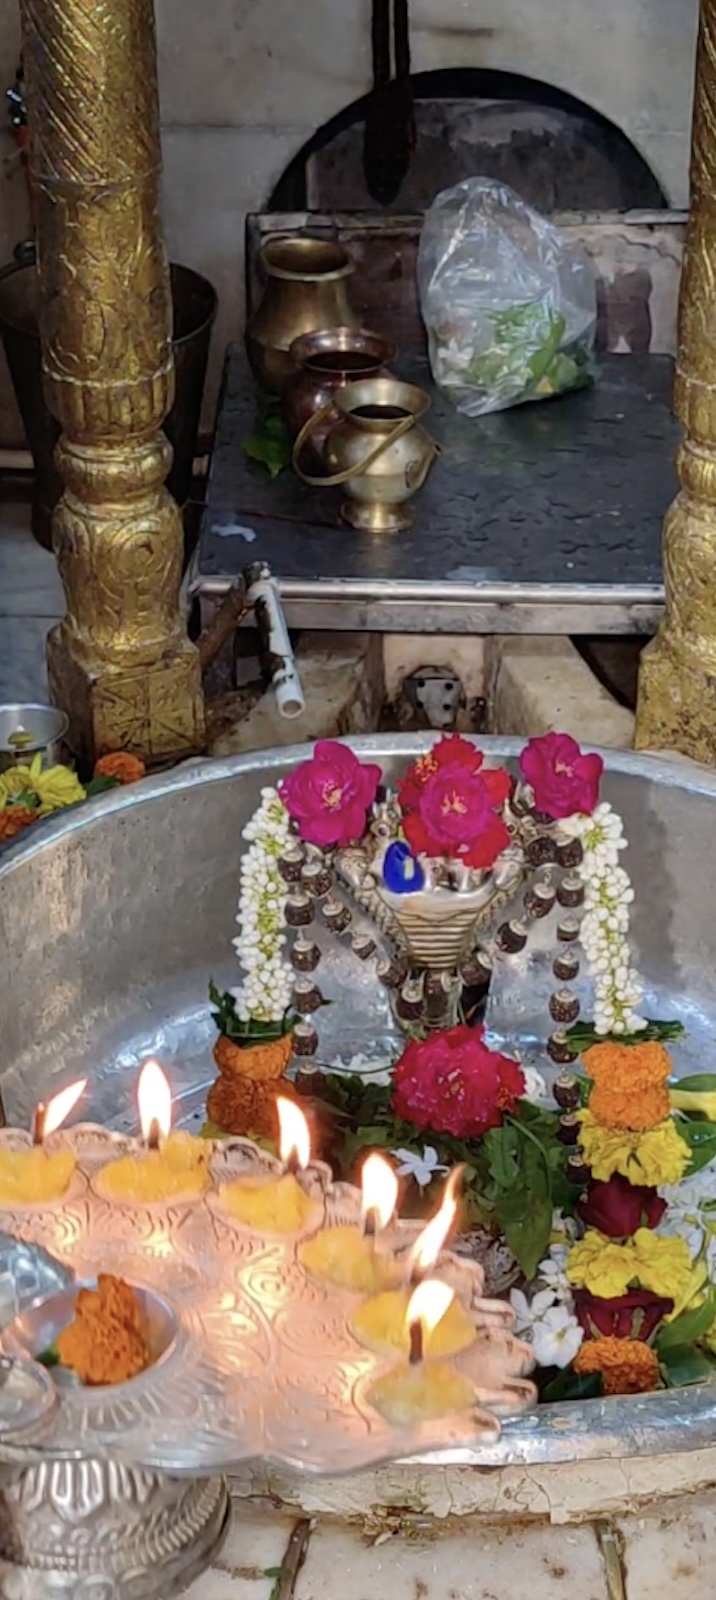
94	1530
121	659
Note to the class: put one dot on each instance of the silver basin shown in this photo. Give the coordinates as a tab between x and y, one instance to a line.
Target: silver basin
114	916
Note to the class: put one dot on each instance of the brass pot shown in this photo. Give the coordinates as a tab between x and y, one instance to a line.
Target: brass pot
324	362
306	290
378	451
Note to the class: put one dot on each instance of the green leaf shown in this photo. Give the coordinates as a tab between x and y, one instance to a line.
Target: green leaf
100	786
525	1218
501	1147
582	1035
687	1328
697	1083
701	1138
682	1366
270	442
573	1386
49	1357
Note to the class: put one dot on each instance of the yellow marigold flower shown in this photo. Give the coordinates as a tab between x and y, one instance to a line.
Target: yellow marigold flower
627	1366
53	787
607	1268
629	1084
651	1157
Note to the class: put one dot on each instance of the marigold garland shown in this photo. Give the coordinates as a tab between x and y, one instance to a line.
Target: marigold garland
629	1084
627	1366
607	1268
651	1158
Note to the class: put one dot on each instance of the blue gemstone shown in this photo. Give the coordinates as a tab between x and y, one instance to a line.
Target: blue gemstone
402	874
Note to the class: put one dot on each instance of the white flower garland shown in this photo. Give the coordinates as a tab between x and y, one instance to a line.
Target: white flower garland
266	991
604	932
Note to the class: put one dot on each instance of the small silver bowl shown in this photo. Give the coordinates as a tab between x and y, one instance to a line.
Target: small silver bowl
40	728
39	1327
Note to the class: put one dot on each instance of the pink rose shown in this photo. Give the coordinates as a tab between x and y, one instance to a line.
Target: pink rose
330	795
452	1083
562	779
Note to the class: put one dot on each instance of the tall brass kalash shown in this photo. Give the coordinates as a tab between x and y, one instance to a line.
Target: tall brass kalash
93	1526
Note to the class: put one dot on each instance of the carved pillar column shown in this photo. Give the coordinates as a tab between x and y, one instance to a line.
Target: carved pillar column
120	664
677	682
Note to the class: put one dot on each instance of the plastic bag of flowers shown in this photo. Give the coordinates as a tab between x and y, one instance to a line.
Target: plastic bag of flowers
508	300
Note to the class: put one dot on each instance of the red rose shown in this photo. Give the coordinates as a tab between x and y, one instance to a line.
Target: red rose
626	1316
562	779
452	1083
451	807
618	1208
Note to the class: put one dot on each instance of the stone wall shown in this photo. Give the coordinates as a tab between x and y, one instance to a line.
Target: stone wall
245	83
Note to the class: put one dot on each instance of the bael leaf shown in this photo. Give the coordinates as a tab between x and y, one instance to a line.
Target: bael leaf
501	1146
683	1365
697	1083
701	1139
688	1327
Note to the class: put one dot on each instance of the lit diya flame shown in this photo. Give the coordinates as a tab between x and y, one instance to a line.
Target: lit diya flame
426	1308
294	1143
48	1118
379	1194
154	1098
430	1242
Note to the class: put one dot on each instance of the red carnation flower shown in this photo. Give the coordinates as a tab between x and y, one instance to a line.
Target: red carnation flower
563	779
618	1208
451	807
634	1315
452	1083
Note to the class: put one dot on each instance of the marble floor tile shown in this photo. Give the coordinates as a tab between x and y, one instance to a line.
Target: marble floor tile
471	1562
248	1565
668	1552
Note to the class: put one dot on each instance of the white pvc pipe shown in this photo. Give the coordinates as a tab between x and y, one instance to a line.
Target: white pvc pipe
285	681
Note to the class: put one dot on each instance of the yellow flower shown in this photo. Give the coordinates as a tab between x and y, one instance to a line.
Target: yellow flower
600	1265
607	1269
53	787
657	1155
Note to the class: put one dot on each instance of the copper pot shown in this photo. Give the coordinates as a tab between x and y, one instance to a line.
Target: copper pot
306	290
326	362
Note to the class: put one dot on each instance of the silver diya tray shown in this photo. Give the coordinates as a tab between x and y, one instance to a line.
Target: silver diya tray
113	918
251	1355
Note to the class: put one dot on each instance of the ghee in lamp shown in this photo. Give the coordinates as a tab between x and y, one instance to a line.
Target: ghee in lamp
347	1256
382	1324
420	1390
174	1168
32	1175
276	1203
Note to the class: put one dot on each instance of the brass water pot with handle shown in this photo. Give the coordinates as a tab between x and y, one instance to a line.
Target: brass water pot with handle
378	451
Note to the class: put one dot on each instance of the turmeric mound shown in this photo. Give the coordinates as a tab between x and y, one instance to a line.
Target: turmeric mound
106	1342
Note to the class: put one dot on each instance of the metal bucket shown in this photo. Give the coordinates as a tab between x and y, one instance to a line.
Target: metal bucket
194	302
158	863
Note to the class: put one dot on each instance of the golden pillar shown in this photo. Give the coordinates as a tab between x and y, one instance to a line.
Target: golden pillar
120	664
677	681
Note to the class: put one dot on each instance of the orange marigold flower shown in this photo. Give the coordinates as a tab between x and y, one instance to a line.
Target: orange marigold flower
13	819
120	765
627	1366
629	1084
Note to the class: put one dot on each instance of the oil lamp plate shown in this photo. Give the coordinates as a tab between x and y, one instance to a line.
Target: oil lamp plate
253	1356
